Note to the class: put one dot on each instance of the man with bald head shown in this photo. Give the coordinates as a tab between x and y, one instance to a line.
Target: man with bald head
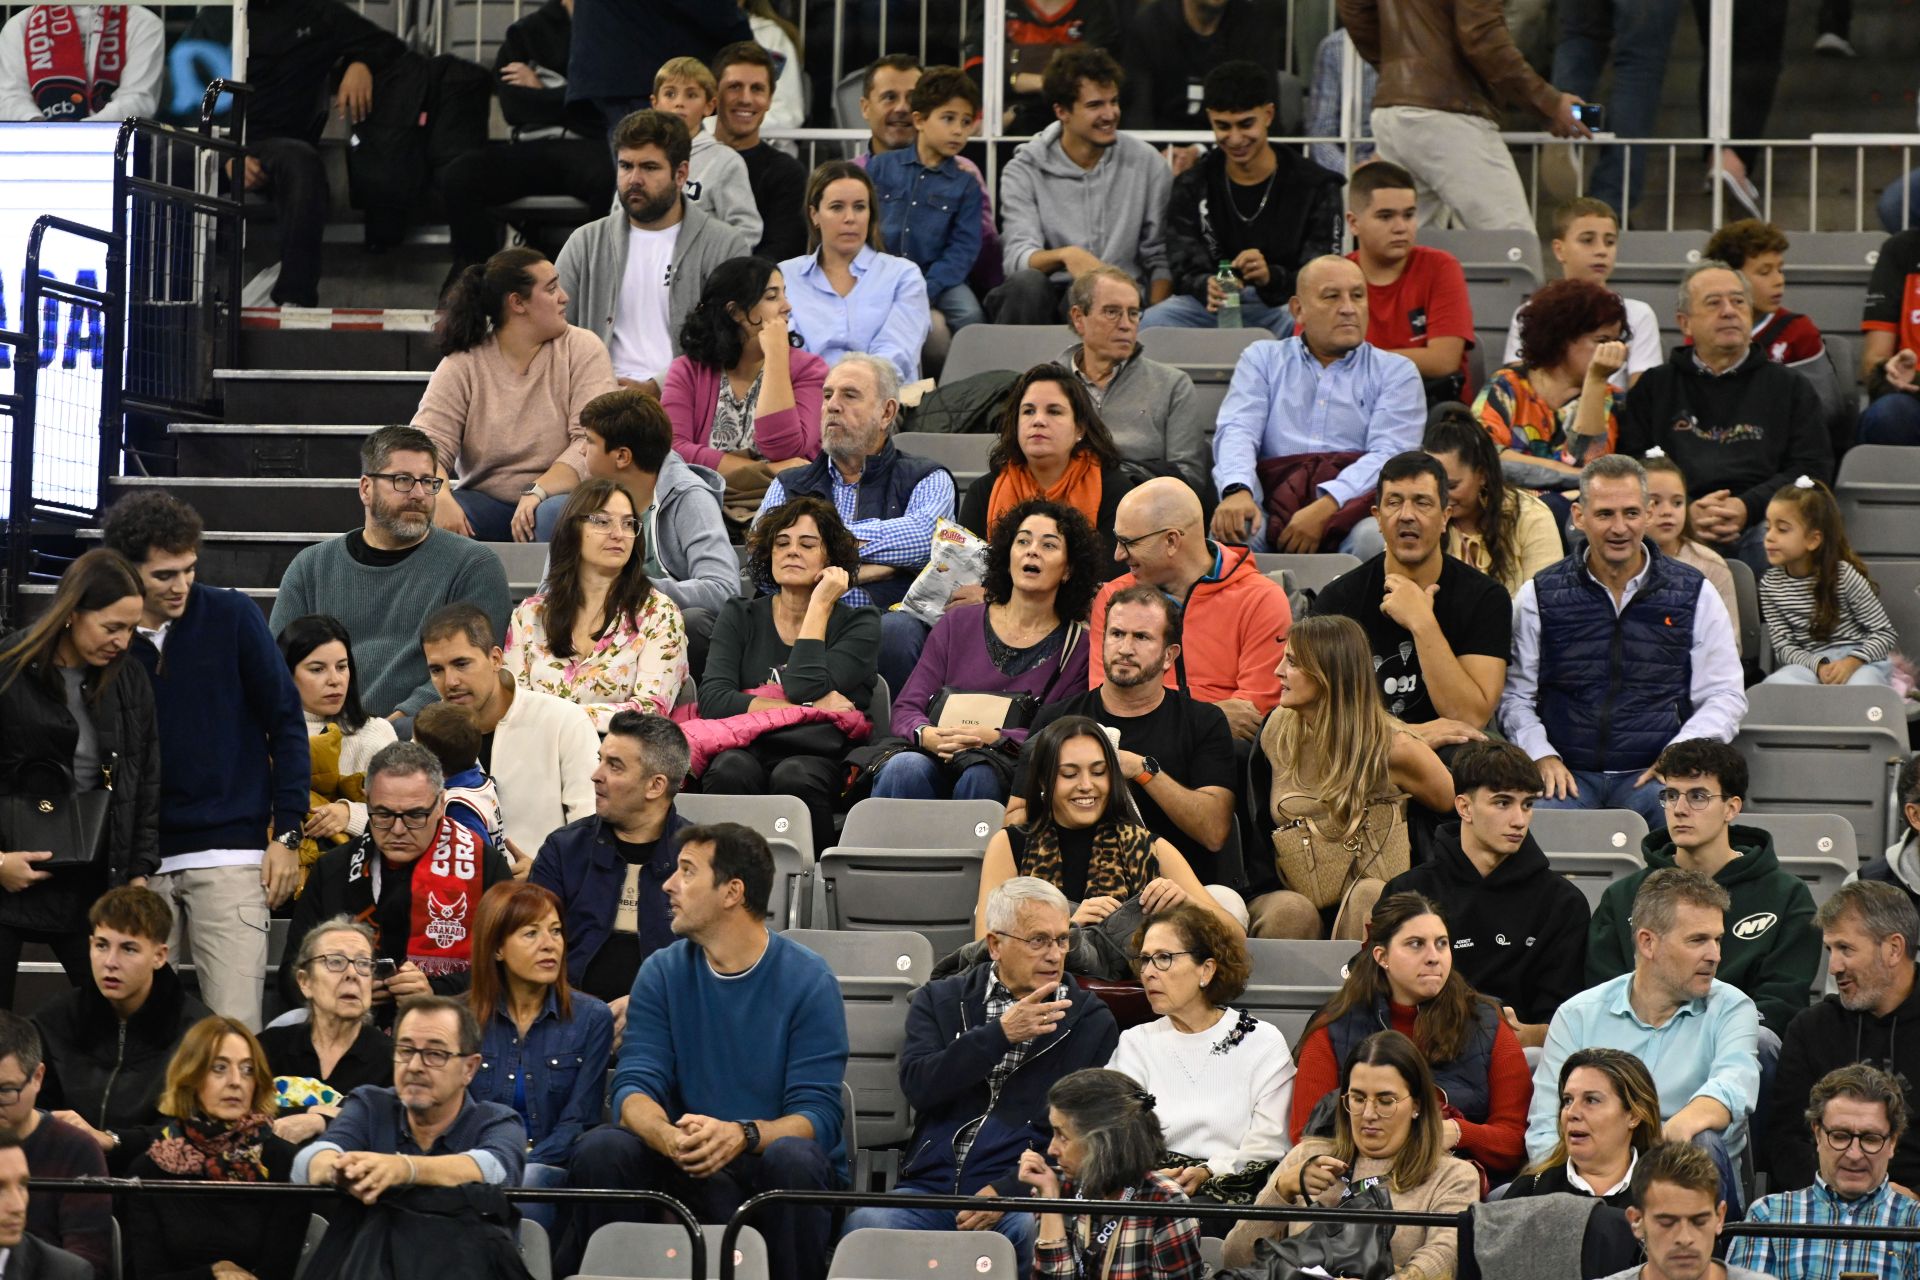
1308	423
1236	620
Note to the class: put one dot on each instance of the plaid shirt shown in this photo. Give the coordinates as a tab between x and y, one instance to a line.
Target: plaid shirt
1143	1248
904	542
1814	1259
999	1000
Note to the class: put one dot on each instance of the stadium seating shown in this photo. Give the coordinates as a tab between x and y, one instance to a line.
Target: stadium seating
1756	651
878	1253
788	830
1591	847
1292	978
1879	491
658	1251
1825	749
930	890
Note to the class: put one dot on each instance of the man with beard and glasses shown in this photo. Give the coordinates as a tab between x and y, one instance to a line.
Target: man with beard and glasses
1872	1017
636	274
383	579
1177	751
888	499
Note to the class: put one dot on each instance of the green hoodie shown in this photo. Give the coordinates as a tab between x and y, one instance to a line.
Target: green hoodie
1771	950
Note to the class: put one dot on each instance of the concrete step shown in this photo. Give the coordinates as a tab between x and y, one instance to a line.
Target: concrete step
267	451
374	396
260	505
35	596
296	348
245	560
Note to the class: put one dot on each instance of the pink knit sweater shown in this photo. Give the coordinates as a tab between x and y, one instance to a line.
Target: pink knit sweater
691	393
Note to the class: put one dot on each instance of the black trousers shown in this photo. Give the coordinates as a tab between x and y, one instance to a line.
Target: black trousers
69	948
297	187
1759	46
815	779
481	181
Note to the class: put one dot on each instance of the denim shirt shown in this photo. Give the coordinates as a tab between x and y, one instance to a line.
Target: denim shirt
931	216
555	1078
373	1119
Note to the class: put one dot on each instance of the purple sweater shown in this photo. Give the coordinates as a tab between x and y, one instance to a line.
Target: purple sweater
956	657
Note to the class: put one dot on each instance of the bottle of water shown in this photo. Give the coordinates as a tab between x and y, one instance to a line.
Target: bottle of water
1228	317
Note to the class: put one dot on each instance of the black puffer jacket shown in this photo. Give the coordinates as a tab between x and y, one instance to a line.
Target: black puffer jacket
38	726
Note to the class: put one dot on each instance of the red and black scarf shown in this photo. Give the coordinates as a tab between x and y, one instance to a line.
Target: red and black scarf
62	85
199	1147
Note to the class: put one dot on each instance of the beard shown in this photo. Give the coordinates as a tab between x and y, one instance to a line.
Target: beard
642	208
400	521
1139	676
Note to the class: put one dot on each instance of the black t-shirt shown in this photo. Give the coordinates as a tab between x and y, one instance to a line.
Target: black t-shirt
611	972
361	552
1189	740
1475	614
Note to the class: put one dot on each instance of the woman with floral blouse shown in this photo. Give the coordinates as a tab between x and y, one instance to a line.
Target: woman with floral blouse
600	635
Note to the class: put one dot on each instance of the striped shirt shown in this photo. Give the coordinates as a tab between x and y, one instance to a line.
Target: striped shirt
1786	604
904	542
1816	1259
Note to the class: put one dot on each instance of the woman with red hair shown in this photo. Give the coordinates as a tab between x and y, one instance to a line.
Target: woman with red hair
1552	411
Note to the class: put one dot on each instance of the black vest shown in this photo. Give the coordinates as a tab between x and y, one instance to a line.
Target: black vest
887	481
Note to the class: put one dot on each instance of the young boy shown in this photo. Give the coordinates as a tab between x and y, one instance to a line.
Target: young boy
1519	927
1758	250
929	205
473	800
1417	303
716	175
1771	951
1586	240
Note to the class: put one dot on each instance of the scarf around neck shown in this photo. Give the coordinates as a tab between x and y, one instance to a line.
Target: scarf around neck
63	86
1078	487
446	895
219	1151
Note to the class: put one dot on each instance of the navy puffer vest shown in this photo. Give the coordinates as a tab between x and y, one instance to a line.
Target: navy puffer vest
1463	1079
886	482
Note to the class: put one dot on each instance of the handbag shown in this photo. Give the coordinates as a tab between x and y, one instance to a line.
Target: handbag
1362	1250
1322	868
964	709
40	809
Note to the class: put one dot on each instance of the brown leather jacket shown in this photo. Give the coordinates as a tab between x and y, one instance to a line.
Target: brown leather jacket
1449	55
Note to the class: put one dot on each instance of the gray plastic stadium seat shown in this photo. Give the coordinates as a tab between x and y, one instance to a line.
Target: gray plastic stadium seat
878	974
1591	847
1820	848
876	1253
525	563
316	1230
1827	750
1830	273
880	706
536	1251
1899	583
1658	258
1879	492
1502	267
927	890
1291	979
882	823
784	822
1310	572
1208	355
1213	1251
982	348
1754	647
965	456
658	1251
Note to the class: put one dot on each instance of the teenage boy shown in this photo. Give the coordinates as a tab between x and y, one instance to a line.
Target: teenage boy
745	75
1900	864
929	206
1417	304
1771	950
1586	243
1519	928
1294	203
716	175
233	797
1677	1213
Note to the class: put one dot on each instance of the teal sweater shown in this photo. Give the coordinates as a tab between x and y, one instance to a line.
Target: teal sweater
382	607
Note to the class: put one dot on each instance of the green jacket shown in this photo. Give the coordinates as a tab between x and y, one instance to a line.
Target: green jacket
1771	950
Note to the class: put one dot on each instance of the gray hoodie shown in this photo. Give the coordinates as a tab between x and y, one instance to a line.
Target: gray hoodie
1152	413
717	178
594	262
1116	210
688	536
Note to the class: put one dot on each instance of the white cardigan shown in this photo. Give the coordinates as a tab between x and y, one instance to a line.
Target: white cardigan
357	750
1228	1107
544	755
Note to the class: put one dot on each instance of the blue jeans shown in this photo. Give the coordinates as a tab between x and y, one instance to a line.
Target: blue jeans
545	1213
1899	204
959	308
1020	1228
915	775
1892	419
1641	34
1714	1143
1613	791
1880	672
1363	542
1184	311
902	637
492	519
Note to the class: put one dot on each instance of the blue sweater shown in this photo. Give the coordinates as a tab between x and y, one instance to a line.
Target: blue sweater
232	736
771	1042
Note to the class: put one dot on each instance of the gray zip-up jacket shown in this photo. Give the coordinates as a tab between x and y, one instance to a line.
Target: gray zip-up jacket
1151	411
689	536
1116	210
717	178
594	262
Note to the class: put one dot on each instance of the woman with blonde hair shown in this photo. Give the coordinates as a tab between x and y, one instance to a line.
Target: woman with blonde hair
1343	771
1609	1118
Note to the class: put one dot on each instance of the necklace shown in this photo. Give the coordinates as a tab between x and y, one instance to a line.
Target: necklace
1265	195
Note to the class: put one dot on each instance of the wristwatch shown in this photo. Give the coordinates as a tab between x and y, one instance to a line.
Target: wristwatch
291	838
536	492
1149	770
752	1130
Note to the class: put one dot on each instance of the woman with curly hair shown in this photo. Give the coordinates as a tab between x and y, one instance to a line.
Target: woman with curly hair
1052	445
801	638
741	398
1028	642
1553	409
1500	529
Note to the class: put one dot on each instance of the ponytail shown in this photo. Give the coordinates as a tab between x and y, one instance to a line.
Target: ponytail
476	304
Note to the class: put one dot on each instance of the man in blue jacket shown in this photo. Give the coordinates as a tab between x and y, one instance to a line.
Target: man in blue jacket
233	747
982	1050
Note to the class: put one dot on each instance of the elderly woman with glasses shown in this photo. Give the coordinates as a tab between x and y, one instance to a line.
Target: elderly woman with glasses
318	1061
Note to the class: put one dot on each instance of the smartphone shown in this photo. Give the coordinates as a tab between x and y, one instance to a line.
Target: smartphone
1591	114
385	969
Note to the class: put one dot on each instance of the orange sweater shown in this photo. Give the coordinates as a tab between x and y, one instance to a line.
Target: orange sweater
1235	631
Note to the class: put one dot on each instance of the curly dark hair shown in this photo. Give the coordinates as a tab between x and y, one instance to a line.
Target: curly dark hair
1205	936
1734	243
711	334
1097	439
1073	600
150	518
843	549
1560	314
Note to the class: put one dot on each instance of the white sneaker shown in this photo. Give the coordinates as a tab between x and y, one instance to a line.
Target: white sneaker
1744	193
1835	45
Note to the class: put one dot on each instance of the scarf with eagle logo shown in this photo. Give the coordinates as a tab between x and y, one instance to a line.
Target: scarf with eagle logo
446	896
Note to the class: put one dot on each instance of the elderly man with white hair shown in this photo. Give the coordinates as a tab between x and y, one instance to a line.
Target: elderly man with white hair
889	499
982	1050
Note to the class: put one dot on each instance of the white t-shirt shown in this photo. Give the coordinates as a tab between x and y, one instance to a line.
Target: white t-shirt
641	347
1643	346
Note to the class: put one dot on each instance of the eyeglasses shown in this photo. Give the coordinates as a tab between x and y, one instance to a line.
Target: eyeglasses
334	962
601	522
1116	314
403	1053
1040	943
10	1093
1126	545
1161	960
411	819
1841	1139
1384	1104
403	483
1695	798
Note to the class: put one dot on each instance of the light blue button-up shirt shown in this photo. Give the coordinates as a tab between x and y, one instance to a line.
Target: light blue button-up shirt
1283	401
1709	1048
885	314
